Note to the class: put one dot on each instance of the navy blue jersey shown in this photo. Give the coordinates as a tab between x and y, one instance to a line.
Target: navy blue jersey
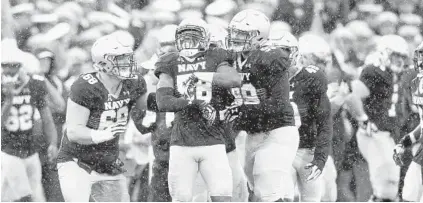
264	91
382	105
312	111
105	111
189	127
17	136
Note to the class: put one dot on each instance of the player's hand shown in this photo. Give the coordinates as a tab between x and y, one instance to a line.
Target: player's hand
368	126
116	130
399	154
231	113
208	112
315	171
52	152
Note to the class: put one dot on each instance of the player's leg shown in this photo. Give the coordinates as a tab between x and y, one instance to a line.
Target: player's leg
239	181
14	180
107	188
329	176
183	169
413	189
384	173
159	188
200	192
251	144
290	187
34	171
75	182
216	172
310	191
272	161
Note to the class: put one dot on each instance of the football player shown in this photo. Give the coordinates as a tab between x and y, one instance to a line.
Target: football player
311	110
23	103
239	193
413	184
373	103
97	114
163	120
261	106
192	83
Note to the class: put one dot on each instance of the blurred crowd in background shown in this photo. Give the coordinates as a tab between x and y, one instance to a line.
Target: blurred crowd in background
57	36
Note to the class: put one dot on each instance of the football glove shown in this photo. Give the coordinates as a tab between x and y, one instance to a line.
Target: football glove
231	113
208	112
315	172
109	133
399	154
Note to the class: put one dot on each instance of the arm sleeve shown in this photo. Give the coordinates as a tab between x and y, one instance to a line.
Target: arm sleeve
322	111
370	78
279	94
139	87
152	102
40	90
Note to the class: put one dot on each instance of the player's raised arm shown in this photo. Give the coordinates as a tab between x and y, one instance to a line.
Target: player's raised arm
166	101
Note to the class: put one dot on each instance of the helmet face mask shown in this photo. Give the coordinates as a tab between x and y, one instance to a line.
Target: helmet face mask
418	59
11	73
240	40
192	37
123	66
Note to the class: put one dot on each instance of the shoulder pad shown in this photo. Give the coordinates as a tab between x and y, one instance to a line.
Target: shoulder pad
276	57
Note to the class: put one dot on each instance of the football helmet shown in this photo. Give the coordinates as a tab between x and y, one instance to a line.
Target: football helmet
314	50
11	64
248	29
285	40
192	36
418	58
114	56
393	51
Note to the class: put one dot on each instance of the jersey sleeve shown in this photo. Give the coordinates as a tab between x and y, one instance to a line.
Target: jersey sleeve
139	87
219	56
370	78
274	60
166	64
83	93
322	111
39	90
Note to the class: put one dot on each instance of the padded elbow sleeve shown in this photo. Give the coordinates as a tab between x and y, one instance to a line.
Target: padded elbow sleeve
167	102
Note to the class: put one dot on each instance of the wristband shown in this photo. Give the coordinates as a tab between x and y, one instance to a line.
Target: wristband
99	136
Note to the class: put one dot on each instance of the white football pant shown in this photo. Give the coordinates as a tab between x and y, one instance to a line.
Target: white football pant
268	158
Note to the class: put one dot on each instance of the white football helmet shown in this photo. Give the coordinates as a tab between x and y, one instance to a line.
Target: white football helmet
192	36
248	29
285	40
114	56
393	51
12	61
217	36
314	50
